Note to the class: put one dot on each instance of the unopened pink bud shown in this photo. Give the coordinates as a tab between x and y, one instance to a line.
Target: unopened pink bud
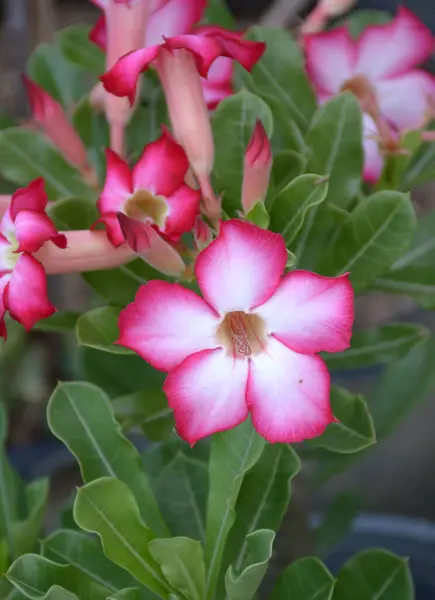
51	117
203	234
258	164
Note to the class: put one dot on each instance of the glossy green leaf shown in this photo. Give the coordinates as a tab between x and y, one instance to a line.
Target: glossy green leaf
233	453
336	522
67	547
335	147
41	579
26	155
380	345
182	563
233	123
291	205
98	329
305	579
147	409
81	416
243	585
287	165
107	507
76	47
374	575
354	430
73	214
59	322
371	239
179	479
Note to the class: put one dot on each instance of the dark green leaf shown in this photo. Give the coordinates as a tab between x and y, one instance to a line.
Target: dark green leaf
73	214
60	321
336	522
305	579
6	121
98	329
146	123
416	282
217	13
75	45
358	20
26	531
91	125
421	167
147	409
287	165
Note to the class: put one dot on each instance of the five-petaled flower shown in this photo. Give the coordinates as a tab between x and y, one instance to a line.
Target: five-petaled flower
379	68
24	229
250	345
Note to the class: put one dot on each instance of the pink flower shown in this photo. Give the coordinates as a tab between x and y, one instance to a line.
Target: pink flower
250	345
150	202
323	11
24	229
379	68
257	167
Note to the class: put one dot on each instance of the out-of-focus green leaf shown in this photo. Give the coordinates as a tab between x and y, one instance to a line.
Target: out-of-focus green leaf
78	49
147	409
73	214
336	522
60	321
305	579
217	13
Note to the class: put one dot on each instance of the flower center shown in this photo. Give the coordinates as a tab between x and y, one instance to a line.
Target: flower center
143	205
361	87
242	335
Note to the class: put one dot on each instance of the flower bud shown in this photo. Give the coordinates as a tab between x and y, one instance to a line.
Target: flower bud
325	10
258	164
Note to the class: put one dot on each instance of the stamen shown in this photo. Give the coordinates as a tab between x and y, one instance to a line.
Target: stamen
242	334
145	206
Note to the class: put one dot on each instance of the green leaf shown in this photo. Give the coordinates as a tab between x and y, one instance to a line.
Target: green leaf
98	329
233	453
421	253
217	13
259	215
421	167
335	147
380	345
354	430
179	479
233	123
305	579
81	416
243	586
67	547
281	74
371	239
73	214
117	286
6	121
358	20
287	165
146	123
26	155
59	322
127	594
336	522
291	205
374	575
182	563
147	409
107	507
41	579
26	531
76	47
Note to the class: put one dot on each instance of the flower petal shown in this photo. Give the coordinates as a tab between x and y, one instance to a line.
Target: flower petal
207	392
392	49
330	59
162	167
33	197
242	267
404	100
205	50
121	79
4	282
245	52
98	33
288	394
213	94
175	17
166	323
135	233
310	313
183	210
117	186
33	229
373	159
26	296
113	228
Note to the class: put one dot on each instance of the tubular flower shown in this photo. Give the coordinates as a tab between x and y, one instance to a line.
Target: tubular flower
150	202
323	12
51	117
24	229
257	167
250	345
379	68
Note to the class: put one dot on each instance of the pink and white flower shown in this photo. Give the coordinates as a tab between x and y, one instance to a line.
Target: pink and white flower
380	69
250	344
257	167
24	229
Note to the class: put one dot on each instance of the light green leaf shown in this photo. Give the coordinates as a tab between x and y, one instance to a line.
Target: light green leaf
147	409
380	345
421	253
374	575
259	215
107	507
354	430
291	205
233	123
336	522
26	155
81	416
233	453
305	579
335	147
67	547
73	214
243	586
98	329
127	594
371	239
182	563
76	47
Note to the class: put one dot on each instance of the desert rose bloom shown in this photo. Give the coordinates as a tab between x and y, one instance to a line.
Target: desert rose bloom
257	167
151	203
24	229
323	11
250	344
379	68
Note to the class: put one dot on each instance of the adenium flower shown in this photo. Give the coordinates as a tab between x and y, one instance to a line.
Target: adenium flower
323	11
24	229
151	203
379	68
257	167
250	344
